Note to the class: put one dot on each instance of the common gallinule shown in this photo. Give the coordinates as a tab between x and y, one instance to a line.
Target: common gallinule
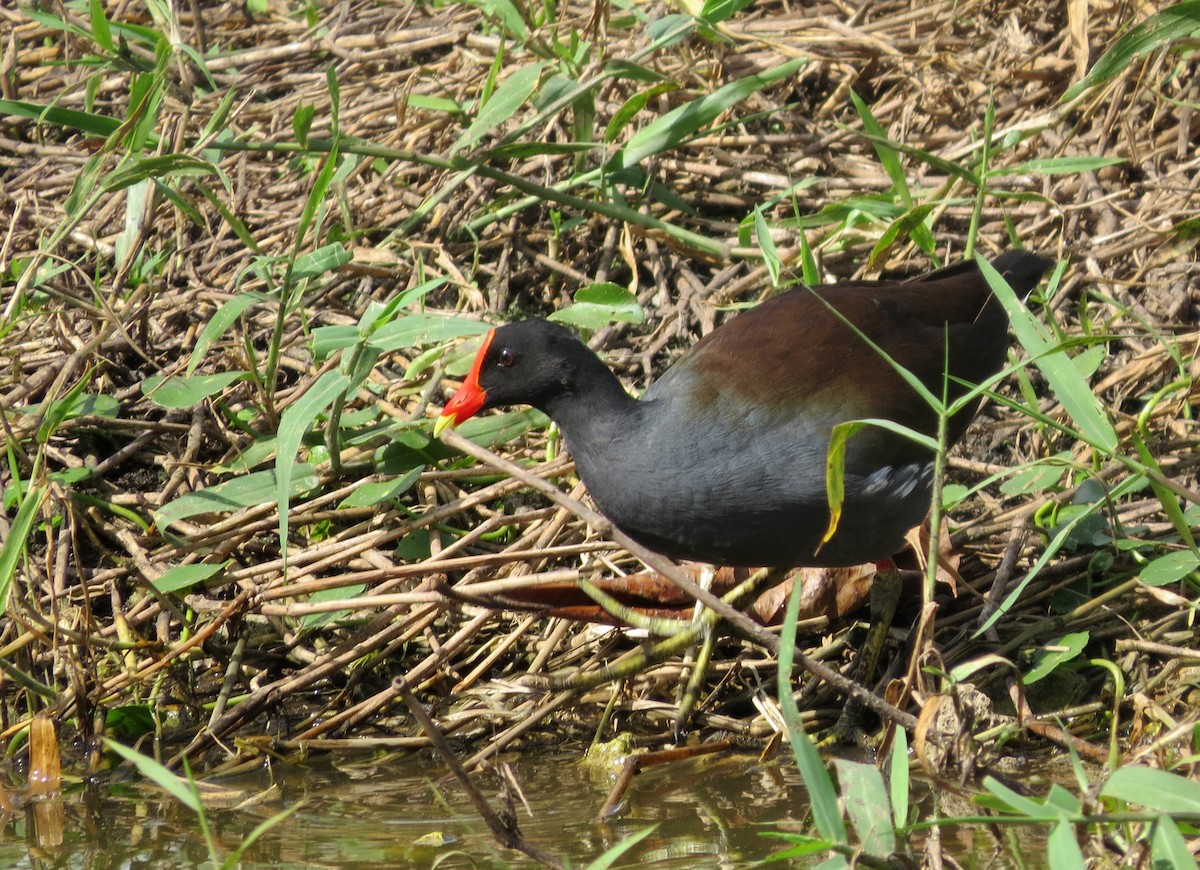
723	458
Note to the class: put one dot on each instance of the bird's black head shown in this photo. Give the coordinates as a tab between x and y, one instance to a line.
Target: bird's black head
531	362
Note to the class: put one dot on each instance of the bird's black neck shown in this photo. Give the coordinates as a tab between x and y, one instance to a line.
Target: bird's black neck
592	404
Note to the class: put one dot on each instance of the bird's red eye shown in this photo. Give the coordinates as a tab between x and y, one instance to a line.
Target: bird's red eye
505	358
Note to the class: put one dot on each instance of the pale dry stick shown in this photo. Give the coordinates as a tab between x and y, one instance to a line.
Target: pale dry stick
536	536
547	647
501	648
334	552
472	594
358	744
232	669
111	687
504	738
1053	732
741	623
1158	649
426	667
135	447
260	697
367	602
439	551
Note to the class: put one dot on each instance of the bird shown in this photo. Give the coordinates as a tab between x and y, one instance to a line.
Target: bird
723	458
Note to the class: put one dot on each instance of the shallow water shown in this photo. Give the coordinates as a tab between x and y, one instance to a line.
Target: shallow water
357	814
707	812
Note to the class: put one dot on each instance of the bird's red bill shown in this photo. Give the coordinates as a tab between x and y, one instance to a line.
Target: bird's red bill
469	399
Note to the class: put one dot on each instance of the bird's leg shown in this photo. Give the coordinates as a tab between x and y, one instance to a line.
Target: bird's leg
739	596
658	652
885	597
631	616
690	693
665	649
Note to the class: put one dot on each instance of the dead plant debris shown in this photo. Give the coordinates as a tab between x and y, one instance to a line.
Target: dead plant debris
109	277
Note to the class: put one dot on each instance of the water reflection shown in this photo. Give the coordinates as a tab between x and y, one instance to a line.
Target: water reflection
356	814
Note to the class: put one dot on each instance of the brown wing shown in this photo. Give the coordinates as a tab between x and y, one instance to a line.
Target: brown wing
807	360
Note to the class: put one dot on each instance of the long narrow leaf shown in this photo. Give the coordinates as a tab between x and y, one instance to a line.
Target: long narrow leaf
887	155
221	322
949	167
822	796
295	421
867	804
1173	23
139	169
509	97
13	547
1156	790
1066	383
899	779
179	788
1168	848
686	120
240	492
1062	849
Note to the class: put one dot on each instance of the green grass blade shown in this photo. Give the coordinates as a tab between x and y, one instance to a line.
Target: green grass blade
509	97
1071	390
18	535
183	577
1156	790
240	492
1170	568
176	786
899	779
54	22
294	423
100	126
1059	166
221	322
1062	849
770	254
1012	801
1168	848
685	121
911	224
101	31
184	392
716	11
138	169
1166	498
949	167
1056	543
324	259
1174	23
60	410
610	856
822	795
632	106
888	156
599	305
867	804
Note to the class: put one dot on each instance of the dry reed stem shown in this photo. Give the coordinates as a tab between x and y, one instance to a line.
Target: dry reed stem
84	596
